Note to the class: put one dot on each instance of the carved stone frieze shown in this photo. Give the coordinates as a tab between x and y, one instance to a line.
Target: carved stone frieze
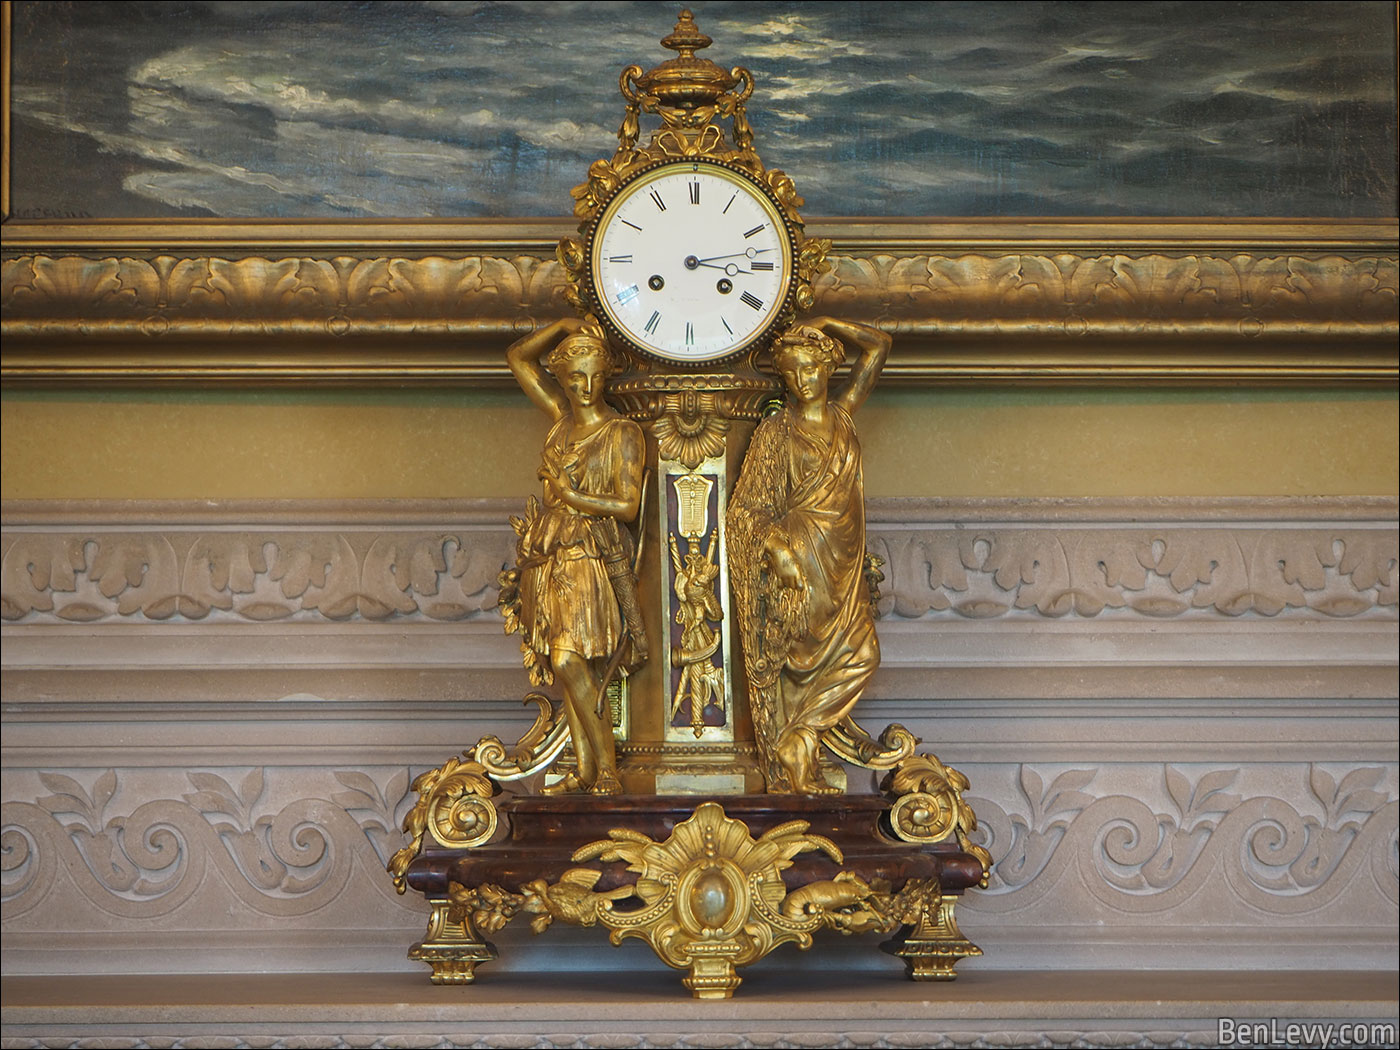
1159	572
1029	1025
1162	1035
77	574
126	847
155	855
177	575
1184	833
1236	302
1283	833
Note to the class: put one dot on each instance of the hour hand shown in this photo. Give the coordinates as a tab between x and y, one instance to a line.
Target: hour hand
732	269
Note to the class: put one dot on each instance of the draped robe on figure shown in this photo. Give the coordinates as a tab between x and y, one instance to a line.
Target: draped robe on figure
566	600
809	670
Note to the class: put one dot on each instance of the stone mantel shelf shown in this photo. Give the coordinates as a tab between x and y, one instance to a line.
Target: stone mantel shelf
776	1006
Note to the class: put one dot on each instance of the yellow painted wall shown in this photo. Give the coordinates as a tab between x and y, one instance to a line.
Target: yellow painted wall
1024	442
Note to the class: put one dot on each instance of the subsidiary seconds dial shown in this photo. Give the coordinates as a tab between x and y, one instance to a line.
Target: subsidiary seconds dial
691	262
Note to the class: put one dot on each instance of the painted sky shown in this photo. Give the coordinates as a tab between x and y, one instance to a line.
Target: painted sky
405	110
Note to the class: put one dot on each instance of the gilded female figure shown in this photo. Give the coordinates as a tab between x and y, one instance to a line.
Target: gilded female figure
574	555
797	525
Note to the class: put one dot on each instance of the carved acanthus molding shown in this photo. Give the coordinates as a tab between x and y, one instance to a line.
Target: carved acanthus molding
1146	295
1006	301
93	570
220	294
175	575
1159	572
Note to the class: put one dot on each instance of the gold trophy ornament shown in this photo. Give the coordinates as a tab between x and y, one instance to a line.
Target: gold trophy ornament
693	596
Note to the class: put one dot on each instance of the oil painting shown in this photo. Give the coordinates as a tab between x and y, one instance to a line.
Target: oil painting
494	110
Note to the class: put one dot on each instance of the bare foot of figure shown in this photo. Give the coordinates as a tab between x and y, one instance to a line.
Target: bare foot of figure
568	784
606	784
797	753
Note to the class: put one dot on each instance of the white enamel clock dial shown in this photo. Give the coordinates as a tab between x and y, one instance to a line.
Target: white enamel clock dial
691	262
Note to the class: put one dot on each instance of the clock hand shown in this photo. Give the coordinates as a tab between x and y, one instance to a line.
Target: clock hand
730	268
750	252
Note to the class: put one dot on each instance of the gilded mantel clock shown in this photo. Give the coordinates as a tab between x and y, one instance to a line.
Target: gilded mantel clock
692	259
693	595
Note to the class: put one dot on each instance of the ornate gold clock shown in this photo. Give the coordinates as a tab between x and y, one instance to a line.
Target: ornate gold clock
694	595
692	253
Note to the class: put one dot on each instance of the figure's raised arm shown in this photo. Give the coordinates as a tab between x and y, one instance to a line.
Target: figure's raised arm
874	347
525	358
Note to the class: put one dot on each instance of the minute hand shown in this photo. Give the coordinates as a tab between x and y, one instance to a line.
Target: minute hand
751	252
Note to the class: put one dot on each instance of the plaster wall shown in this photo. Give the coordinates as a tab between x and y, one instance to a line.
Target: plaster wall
1021	443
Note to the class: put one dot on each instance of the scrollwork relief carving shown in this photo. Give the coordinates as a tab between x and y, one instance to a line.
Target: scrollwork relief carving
973	573
1280	856
1184	839
288	860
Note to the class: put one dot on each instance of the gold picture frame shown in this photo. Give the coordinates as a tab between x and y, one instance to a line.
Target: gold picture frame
433	303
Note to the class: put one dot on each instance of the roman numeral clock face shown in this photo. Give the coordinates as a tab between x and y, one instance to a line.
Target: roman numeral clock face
691	262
